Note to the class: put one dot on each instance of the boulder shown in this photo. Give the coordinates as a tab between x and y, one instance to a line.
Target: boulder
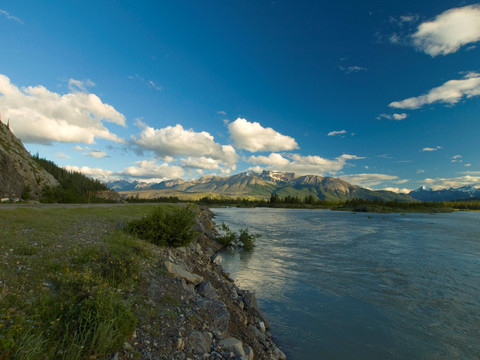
200	342
181	272
232	345
206	290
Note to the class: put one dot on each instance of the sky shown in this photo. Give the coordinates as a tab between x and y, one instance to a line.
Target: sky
383	96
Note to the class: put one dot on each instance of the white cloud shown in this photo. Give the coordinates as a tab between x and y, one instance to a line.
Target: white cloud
100	174
202	162
80	85
457	158
303	165
431	149
352	69
450	93
398	190
369	180
442	183
149	83
97	154
38	115
10	17
254	137
468	165
177	141
420	171
274	160
145	169
221	112
155	86
335	133
399	116
449	31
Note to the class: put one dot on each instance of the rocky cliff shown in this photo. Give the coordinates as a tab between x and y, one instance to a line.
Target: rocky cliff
19	173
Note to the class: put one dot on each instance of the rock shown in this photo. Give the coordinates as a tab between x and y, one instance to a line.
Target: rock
200	342
250	300
216	258
181	272
115	356
127	347
248	352
257	334
217	314
207	290
232	345
279	354
261	325
180	343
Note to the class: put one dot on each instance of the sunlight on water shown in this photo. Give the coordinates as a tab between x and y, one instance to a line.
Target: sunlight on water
340	285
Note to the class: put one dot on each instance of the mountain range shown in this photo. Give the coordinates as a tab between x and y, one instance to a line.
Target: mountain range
424	193
259	185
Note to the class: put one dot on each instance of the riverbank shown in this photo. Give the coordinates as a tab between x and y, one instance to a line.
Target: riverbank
56	260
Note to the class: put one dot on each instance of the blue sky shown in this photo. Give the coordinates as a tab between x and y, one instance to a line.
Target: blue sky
382	96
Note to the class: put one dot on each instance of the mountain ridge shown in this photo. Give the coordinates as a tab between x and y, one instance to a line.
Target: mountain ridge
425	193
261	185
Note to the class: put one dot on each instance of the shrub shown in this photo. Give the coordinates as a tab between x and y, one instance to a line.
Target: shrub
247	240
230	238
171	227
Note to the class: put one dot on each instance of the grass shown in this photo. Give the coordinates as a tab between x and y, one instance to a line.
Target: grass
66	275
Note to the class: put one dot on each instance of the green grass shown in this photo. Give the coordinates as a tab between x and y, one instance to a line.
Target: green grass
65	279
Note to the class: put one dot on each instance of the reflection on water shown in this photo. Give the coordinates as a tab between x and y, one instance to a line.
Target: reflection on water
339	285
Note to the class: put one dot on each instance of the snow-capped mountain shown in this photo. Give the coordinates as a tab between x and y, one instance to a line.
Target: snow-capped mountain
425	193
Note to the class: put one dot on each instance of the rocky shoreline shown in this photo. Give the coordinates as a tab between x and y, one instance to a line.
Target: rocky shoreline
196	311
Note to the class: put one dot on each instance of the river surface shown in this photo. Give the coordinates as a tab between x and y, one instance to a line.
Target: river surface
340	285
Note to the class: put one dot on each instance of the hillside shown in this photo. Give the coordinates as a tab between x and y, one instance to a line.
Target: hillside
21	175
250	184
29	177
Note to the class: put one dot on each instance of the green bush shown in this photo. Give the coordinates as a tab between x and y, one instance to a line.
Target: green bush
230	238
171	227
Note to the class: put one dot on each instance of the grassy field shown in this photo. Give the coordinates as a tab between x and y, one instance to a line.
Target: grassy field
67	279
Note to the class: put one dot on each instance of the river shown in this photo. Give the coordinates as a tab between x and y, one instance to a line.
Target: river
341	285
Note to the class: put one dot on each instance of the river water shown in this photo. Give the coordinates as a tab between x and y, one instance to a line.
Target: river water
340	285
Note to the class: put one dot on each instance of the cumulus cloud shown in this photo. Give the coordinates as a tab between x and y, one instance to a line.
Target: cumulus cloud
100	174
369	180
431	149
335	133
442	183
274	160
254	137
398	190
177	141
10	17
146	169
303	165
202	162
450	93
38	115
449	31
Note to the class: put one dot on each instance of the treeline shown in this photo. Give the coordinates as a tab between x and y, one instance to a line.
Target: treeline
74	186
160	199
310	201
